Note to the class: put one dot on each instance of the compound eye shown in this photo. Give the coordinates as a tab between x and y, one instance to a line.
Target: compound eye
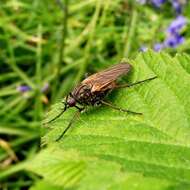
71	102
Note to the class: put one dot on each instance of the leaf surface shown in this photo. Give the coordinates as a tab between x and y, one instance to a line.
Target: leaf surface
109	143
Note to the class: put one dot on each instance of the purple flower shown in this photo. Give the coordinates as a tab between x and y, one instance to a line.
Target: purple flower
174	40
173	36
158	47
142	2
177	6
177	24
23	88
158	3
143	48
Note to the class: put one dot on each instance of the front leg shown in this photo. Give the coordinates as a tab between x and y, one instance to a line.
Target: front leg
79	108
69	125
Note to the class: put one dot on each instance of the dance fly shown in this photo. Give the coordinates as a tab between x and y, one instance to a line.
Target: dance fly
93	90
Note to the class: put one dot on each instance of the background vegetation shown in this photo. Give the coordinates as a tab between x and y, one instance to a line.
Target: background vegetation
47	47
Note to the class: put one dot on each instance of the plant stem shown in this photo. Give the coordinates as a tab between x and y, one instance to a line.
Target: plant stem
131	33
64	31
89	42
38	103
15	68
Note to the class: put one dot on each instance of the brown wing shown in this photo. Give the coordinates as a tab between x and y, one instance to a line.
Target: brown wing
106	77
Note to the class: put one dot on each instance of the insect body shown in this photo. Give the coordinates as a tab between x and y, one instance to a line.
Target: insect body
93	90
83	95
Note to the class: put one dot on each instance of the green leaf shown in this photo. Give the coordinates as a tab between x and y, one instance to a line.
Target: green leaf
44	185
155	145
61	168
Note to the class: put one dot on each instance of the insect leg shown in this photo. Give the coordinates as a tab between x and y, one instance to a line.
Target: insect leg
69	125
133	84
57	116
80	109
62	111
118	108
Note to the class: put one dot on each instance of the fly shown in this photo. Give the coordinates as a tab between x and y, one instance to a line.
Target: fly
93	90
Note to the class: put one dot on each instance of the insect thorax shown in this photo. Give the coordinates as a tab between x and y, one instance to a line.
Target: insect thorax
83	95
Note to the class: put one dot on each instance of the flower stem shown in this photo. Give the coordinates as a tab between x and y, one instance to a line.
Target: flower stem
131	33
